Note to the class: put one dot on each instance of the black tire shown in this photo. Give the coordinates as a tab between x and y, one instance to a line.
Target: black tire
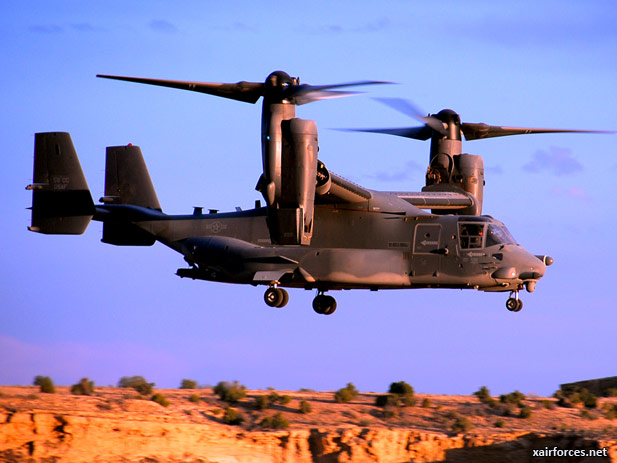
331	303
512	304
519	306
319	304
274	297
285	298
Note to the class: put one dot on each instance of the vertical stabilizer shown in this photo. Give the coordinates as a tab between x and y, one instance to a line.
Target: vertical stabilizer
61	200
127	180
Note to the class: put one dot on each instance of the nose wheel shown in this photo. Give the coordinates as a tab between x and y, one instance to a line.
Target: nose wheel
323	304
276	297
514	304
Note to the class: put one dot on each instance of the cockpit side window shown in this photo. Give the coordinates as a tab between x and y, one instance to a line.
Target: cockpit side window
471	235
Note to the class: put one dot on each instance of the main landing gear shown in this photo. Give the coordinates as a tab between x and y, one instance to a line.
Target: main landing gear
324	305
276	297
514	304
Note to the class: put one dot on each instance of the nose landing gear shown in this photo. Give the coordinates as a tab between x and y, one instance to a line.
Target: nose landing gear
324	305
276	297
514	304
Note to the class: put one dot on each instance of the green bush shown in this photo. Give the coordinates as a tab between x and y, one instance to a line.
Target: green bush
138	383
194	398
346	394
500	423
513	398
262	402
275	397
574	395
305	407
484	396
160	399
232	416
400	394
230	392
387	400
188	384
285	400
277	421
460	423
426	403
45	384
83	387
525	412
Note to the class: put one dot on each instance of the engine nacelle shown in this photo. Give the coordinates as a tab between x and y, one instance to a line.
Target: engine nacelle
469	174
290	194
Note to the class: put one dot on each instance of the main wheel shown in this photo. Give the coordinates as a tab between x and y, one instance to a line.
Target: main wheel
274	297
519	306
512	304
324	305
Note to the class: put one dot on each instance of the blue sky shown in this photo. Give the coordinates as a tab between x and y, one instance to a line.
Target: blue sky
73	307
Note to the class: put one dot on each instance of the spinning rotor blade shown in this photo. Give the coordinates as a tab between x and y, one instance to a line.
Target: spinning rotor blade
406	107
248	92
417	133
475	131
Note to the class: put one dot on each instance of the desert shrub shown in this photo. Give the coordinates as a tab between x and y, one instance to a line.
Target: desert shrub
513	398
484	395
400	394
426	403
160	399
387	400
500	423
610	392
194	398
45	384
346	394
277	421
525	412
232	416
610	411
586	414
188	384
573	396
83	387
459	423
230	392
305	407
262	402
548	404
275	397
138	383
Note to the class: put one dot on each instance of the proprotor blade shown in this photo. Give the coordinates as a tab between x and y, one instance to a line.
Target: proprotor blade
303	94
248	92
417	133
475	131
407	107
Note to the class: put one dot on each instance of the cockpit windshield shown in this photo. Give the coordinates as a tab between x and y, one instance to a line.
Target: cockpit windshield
476	235
498	234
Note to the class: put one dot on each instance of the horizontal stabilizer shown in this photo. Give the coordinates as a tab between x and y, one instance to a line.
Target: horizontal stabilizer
61	200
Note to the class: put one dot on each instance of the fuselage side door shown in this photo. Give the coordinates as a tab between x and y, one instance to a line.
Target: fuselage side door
426	257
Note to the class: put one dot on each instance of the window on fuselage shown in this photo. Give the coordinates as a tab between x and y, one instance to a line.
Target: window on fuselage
471	235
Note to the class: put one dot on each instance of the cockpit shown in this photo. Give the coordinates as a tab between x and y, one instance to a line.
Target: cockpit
474	234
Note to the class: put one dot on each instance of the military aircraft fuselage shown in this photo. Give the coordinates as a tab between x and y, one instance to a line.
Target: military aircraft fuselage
383	243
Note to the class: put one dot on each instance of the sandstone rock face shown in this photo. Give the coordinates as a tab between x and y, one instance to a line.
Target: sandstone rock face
75	430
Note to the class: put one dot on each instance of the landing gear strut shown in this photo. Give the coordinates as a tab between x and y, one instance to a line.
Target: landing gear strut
514	304
322	304
276	297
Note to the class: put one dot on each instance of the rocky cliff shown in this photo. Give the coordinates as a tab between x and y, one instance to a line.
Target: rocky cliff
115	427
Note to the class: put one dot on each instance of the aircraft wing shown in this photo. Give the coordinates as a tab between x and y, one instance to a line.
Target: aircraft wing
436	199
342	190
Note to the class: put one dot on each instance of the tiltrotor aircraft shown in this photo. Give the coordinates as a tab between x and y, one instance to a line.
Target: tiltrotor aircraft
317	230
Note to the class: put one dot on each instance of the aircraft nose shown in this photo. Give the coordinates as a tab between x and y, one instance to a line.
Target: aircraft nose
532	269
